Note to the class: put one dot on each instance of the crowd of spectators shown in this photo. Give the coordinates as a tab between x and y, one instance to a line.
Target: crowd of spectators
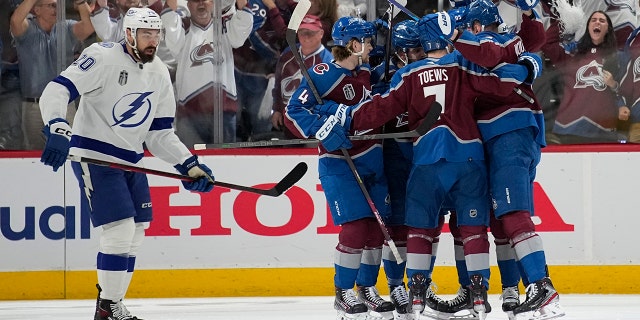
229	79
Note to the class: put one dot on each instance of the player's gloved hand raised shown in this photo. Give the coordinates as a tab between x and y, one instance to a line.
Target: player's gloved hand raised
436	25
526	4
533	62
332	135
56	149
192	168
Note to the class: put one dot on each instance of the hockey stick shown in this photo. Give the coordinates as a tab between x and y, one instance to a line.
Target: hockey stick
404	9
287	182
388	41
292	29
426	124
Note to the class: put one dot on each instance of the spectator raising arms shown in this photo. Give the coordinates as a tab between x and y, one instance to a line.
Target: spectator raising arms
588	111
36	42
192	42
109	29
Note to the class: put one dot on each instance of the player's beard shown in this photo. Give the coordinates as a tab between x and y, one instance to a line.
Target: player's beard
147	57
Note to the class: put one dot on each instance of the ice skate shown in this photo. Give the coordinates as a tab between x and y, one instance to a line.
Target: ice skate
478	293
348	306
463	306
400	299
510	300
120	305
378	307
423	299
542	302
110	310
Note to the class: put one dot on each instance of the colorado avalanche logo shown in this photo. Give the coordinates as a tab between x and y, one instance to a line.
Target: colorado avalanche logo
636	70
290	84
205	53
131	110
589	76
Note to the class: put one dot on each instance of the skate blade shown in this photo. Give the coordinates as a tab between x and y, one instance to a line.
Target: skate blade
348	316
403	316
480	310
510	315
467	314
551	310
432	314
374	315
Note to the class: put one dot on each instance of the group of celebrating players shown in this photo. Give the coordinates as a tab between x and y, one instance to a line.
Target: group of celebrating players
477	162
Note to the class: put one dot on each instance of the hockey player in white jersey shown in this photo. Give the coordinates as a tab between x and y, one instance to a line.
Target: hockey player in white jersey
126	100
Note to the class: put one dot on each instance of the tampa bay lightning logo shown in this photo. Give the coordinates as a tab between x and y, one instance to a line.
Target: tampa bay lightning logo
131	110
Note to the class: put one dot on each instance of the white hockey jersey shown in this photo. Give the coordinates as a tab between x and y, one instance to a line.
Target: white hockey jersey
194	48
123	104
107	29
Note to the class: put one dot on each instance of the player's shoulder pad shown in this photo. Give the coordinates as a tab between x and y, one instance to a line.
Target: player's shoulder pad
451	58
102	49
489	36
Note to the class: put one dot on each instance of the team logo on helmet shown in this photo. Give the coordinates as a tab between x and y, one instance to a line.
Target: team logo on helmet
349	92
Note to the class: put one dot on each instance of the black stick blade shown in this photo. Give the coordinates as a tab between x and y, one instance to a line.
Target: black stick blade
429	119
289	180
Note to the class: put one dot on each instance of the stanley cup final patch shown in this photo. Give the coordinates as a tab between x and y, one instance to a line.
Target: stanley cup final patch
349	92
123	77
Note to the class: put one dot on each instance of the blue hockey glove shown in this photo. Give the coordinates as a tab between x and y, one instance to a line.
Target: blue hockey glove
381	24
326	109
570	47
533	64
436	26
343	114
56	149
526	4
192	168
339	110
332	135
